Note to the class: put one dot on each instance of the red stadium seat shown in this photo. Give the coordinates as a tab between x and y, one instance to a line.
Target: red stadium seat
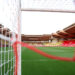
69	43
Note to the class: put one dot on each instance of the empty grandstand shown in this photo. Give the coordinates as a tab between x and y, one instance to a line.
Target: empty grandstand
62	37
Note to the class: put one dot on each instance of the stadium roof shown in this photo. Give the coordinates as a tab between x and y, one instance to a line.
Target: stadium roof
68	32
70	29
35	37
5	31
56	35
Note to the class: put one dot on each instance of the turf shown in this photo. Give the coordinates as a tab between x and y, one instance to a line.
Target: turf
35	64
5	59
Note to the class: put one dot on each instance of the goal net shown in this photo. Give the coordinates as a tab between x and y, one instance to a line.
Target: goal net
9	27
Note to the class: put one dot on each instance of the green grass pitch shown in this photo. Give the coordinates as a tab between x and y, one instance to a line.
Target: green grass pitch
6	61
35	64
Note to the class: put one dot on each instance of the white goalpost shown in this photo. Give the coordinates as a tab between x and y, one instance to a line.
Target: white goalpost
9	28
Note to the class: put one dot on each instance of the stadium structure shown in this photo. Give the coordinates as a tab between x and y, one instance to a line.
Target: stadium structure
5	32
65	37
61	44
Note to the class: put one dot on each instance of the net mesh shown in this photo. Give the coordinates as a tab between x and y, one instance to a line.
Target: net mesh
9	12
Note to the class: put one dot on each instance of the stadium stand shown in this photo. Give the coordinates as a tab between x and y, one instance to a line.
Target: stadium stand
68	34
6	32
65	37
68	43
